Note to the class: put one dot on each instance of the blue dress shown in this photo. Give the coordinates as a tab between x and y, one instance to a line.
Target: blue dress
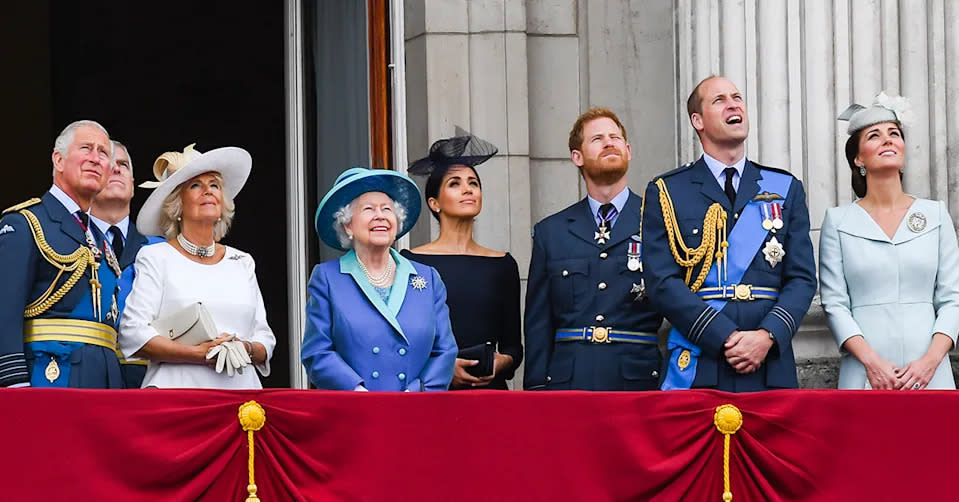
355	338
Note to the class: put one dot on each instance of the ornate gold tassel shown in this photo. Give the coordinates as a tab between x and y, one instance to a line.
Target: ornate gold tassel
252	418
728	419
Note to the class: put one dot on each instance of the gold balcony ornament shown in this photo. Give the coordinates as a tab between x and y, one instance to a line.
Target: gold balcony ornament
252	418
728	419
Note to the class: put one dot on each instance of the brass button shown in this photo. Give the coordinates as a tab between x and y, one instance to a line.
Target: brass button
602	286
600	318
695	231
603	255
565	273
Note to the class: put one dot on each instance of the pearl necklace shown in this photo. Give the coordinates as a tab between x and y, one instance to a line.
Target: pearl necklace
200	251
383	280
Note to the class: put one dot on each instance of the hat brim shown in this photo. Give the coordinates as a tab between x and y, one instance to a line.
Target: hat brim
232	163
397	186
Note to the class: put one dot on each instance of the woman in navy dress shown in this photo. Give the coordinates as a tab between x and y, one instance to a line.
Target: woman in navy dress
483	284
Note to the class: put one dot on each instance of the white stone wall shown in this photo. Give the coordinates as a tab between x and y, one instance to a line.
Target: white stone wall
518	72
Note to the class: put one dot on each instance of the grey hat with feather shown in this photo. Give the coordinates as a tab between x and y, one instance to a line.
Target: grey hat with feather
885	108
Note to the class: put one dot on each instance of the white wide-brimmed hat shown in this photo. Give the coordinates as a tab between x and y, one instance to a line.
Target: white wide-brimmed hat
174	168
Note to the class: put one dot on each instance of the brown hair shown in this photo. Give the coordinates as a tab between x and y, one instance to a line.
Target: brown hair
852	149
694	103
596	112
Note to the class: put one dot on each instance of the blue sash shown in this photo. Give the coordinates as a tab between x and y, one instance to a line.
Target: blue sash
744	242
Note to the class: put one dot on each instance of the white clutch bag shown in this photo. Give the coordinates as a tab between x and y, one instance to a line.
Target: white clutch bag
191	326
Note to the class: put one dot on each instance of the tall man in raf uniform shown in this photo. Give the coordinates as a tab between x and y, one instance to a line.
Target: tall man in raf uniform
588	325
727	255
58	304
110	212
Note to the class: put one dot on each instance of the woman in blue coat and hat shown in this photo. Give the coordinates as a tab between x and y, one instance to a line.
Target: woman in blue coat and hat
374	319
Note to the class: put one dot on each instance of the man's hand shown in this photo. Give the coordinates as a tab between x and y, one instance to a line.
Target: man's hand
746	350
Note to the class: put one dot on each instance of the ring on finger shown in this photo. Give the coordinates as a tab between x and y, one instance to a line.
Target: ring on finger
915	386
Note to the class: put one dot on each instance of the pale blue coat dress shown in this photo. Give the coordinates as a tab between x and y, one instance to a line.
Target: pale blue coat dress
895	292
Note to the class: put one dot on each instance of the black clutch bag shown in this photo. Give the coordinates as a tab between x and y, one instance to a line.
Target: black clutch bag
482	353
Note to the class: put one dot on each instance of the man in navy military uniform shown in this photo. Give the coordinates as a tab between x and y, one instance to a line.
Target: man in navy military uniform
58	304
587	323
727	256
110	212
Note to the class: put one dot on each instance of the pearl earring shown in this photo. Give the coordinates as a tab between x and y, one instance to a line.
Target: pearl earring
179	219
862	171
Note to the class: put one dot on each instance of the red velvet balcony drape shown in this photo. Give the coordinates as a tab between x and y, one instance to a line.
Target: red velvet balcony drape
188	445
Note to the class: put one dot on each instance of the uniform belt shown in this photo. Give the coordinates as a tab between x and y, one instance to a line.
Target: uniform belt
604	334
738	292
69	330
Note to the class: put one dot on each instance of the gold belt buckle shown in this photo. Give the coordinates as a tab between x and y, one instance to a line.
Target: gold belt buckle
744	292
600	334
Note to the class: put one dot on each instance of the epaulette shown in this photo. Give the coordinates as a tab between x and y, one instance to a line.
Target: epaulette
773	169
674	171
21	205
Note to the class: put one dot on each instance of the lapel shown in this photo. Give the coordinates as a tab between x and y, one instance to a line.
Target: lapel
929	209
627	223
68	223
748	186
858	223
135	240
581	223
350	265
709	187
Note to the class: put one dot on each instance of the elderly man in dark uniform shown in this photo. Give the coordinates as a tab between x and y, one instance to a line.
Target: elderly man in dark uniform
58	304
728	257
587	323
110	212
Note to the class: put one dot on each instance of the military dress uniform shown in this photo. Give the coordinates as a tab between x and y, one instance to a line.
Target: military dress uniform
713	267
58	305
587	323
133	368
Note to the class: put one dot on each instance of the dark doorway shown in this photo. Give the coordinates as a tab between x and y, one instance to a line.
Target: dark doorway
160	76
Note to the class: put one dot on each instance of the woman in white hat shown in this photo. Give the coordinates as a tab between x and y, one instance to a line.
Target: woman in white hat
889	265
192	206
375	320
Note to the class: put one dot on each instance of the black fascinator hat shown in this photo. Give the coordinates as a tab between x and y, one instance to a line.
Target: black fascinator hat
463	149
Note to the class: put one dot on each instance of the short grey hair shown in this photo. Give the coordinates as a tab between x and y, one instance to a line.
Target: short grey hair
113	156
344	215
65	139
172	210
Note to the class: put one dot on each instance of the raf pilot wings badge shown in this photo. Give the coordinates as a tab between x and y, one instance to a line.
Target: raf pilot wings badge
7	229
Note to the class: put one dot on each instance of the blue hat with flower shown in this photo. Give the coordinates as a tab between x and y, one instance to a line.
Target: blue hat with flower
885	108
357	181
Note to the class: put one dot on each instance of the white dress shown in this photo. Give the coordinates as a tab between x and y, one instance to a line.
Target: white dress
166	282
896	292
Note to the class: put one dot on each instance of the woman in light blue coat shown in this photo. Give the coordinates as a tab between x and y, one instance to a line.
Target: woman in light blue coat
889	265
374	319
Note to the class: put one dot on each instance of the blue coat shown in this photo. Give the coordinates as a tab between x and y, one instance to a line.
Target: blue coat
354	338
693	189
27	275
575	283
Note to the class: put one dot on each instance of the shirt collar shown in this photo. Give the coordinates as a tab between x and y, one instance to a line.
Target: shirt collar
716	167
618	202
123	225
70	204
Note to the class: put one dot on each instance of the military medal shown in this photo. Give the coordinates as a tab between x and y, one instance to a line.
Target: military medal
767	216
632	257
53	370
114	314
602	235
916	222
112	259
639	290
774	252
685	357
777	215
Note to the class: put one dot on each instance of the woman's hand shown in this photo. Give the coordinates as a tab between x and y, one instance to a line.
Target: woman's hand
204	348
917	374
463	379
882	374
